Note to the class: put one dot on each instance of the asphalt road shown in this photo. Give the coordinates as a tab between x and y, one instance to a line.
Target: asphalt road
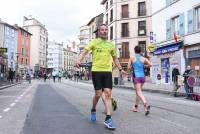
64	108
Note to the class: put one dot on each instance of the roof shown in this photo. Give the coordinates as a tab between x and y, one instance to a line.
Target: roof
94	19
103	2
4	23
22	29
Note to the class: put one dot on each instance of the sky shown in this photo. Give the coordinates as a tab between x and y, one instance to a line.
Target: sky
62	18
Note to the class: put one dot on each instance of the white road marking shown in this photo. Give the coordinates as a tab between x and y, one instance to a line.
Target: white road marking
0	116
16	100
21	95
13	104
6	110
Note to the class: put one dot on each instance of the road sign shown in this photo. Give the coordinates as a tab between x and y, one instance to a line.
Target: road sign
159	77
3	50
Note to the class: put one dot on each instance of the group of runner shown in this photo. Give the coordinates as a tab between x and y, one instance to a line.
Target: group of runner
103	55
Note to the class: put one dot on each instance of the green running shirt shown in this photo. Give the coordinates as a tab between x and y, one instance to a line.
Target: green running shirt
102	53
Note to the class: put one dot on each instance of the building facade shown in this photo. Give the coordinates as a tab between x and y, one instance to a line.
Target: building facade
55	56
87	33
23	50
175	26
129	24
84	38
69	59
3	55
10	42
39	40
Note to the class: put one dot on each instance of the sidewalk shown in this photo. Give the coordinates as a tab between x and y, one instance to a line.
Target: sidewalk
5	84
149	87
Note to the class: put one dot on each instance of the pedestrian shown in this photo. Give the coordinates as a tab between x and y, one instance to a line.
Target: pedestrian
45	77
188	89
28	77
54	75
10	76
103	53
175	73
137	64
59	76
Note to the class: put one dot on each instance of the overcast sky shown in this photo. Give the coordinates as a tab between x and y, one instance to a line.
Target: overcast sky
62	18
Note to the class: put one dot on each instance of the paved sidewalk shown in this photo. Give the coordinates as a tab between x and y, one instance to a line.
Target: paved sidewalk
149	87
5	84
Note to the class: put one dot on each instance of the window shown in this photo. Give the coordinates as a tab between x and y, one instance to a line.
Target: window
107	19
125	30
22	51
125	13
106	5
197	18
26	62
142	44
111	2
111	33
175	25
141	9
125	49
22	60
111	15
141	28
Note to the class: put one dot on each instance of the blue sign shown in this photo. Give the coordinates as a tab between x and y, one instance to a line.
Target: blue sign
168	49
151	36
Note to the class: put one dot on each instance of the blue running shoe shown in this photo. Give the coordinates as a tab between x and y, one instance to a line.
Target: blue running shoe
109	124
93	116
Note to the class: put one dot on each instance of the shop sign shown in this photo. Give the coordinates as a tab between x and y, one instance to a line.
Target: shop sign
3	50
168	49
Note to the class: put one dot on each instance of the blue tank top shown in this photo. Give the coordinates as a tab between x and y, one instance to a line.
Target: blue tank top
138	67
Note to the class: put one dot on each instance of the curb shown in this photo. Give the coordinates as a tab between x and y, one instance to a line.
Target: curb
7	86
145	89
152	90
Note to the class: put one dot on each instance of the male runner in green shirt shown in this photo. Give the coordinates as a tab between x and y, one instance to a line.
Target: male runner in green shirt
103	54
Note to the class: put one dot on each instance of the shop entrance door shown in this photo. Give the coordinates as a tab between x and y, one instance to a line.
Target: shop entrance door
165	69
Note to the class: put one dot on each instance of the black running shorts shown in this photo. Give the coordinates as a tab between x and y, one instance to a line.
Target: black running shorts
102	80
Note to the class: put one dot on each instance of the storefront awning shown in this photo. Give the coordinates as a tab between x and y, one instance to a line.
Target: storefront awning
168	49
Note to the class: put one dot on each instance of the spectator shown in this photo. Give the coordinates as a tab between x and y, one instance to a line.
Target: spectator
10	76
188	89
175	73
